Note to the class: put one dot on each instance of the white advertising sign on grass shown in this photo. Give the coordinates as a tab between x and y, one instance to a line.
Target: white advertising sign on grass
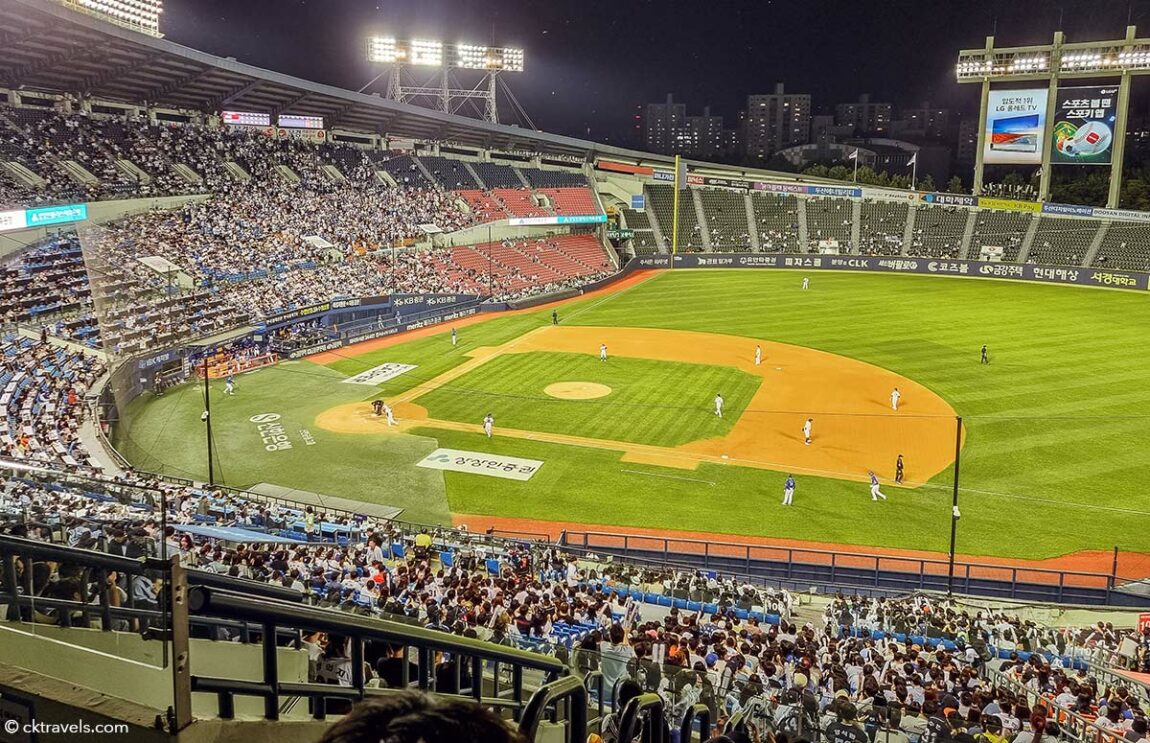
478	463
379	374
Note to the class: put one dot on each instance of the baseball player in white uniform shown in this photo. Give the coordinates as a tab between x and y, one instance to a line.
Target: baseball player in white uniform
806	283
807	430
875	493
488	424
602	351
389	414
719	405
454	338
758	355
895	396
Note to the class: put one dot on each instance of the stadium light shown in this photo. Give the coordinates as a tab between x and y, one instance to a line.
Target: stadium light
138	15
430	53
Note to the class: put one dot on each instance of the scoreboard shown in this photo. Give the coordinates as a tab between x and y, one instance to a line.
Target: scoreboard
245	118
293	121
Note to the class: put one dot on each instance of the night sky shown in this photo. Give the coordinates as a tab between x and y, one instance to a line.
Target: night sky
590	63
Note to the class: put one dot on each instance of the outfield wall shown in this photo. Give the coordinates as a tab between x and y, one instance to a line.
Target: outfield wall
897	264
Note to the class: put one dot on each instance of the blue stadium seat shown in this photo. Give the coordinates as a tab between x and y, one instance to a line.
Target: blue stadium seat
397	550
493	566
447	559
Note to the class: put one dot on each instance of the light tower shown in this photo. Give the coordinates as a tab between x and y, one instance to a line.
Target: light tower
438	87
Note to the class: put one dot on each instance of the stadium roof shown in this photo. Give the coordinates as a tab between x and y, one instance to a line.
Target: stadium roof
48	47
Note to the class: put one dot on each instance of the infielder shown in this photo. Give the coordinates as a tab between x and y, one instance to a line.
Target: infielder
758	355
895	396
806	283
875	493
807	431
719	405
488	424
789	491
377	407
898	470
230	385
454	338
389	414
602	351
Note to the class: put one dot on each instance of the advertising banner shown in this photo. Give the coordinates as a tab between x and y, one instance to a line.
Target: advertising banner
1083	130
1015	127
930	266
1009	205
561	219
481	463
25	218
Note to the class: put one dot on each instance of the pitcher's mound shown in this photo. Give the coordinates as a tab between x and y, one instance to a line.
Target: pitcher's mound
577	390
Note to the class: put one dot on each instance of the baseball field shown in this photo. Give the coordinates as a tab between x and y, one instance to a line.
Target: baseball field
1052	444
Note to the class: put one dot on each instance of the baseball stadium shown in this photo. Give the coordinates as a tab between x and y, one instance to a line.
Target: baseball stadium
331	415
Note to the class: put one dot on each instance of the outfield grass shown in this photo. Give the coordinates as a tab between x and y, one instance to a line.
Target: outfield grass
646	404
1054	459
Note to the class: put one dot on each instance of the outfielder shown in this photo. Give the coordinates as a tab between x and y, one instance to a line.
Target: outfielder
758	355
719	405
789	491
807	431
806	283
488	424
985	358
895	396
230	384
875	493
454	338
602	351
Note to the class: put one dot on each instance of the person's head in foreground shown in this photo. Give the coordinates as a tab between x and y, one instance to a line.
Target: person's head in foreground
416	718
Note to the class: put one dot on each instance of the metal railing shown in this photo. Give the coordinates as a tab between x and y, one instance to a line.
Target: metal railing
801	565
1075	726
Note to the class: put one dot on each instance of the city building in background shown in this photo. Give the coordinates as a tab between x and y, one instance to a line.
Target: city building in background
664	126
864	116
776	121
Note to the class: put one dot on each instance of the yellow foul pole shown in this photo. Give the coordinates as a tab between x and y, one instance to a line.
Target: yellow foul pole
675	216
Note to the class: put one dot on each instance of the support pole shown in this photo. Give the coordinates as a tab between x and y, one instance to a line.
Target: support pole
208	421
1051	110
675	215
978	153
954	505
1114	196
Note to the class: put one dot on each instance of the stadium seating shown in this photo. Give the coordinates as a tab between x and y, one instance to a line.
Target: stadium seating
496	176
1000	229
644	242
727	219
519	202
829	219
882	228
938	232
450	174
1124	247
661	201
573	201
541	179
777	222
1062	241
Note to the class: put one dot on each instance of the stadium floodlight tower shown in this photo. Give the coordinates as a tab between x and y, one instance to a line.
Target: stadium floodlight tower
138	15
1022	131
440	90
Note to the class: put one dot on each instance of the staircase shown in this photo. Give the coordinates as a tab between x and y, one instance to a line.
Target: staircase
286	174
426	173
133	171
522	178
78	173
384	178
22	175
752	225
237	171
656	228
804	234
187	173
1027	241
1096	244
701	216
908	231
474	174
856	227
968	235
333	174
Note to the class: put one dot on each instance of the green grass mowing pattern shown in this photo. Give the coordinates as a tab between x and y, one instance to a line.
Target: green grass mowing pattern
1054	459
165	434
649	402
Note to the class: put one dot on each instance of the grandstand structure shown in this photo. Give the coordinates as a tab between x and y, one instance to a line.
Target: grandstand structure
194	608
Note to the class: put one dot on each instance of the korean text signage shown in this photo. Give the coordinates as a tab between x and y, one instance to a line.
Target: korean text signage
929	266
22	219
1015	126
479	463
1083	129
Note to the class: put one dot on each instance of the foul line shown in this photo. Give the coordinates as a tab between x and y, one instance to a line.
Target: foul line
611	296
669	477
